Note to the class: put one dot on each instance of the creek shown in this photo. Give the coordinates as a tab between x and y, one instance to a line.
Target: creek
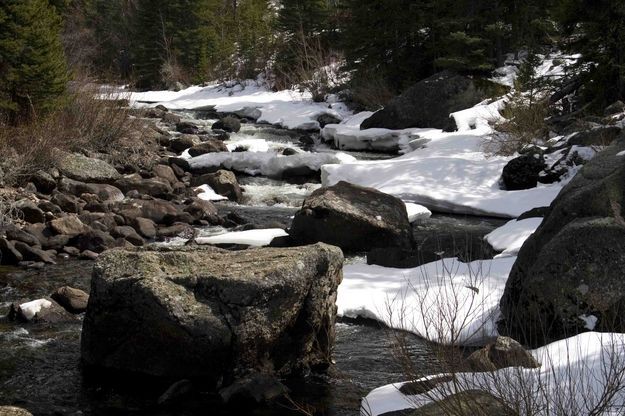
40	364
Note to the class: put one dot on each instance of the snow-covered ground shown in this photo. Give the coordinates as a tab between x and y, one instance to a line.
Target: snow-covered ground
450	174
577	375
446	301
289	108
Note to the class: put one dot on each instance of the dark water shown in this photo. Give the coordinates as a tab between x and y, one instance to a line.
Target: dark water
40	364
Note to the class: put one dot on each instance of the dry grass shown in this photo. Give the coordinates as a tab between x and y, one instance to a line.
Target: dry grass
84	123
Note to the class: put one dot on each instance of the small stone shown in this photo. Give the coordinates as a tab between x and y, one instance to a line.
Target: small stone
72	299
68	203
89	255
229	124
29	211
33	253
44	182
9	255
165	172
129	234
69	225
72	251
145	227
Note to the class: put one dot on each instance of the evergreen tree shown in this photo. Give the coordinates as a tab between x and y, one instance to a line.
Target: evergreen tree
253	38
175	40
385	41
33	72
112	23
303	18
596	29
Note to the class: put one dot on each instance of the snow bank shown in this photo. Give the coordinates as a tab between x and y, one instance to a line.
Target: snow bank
444	301
32	308
207	193
289	109
479	116
571	380
267	164
417	212
347	135
451	174
510	237
255	238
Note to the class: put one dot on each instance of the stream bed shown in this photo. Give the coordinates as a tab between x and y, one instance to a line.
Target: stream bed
40	364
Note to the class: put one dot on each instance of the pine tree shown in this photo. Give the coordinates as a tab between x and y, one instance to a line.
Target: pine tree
303	18
393	53
596	29
33	72
174	40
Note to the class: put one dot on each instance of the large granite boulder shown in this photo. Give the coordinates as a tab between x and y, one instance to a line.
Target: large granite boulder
429	102
86	169
570	274
213	314
352	217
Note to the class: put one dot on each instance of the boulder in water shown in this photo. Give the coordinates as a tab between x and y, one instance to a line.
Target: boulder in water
209	313
352	217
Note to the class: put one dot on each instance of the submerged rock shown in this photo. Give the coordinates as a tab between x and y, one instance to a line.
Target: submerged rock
352	217
253	390
569	276
205	312
229	124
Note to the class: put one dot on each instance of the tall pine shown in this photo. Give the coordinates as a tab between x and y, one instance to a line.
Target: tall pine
596	29
33	73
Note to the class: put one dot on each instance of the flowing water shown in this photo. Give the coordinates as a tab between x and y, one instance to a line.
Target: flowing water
40	364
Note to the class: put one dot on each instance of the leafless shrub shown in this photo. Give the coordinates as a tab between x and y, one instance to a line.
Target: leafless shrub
586	378
86	121
372	94
523	124
315	69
